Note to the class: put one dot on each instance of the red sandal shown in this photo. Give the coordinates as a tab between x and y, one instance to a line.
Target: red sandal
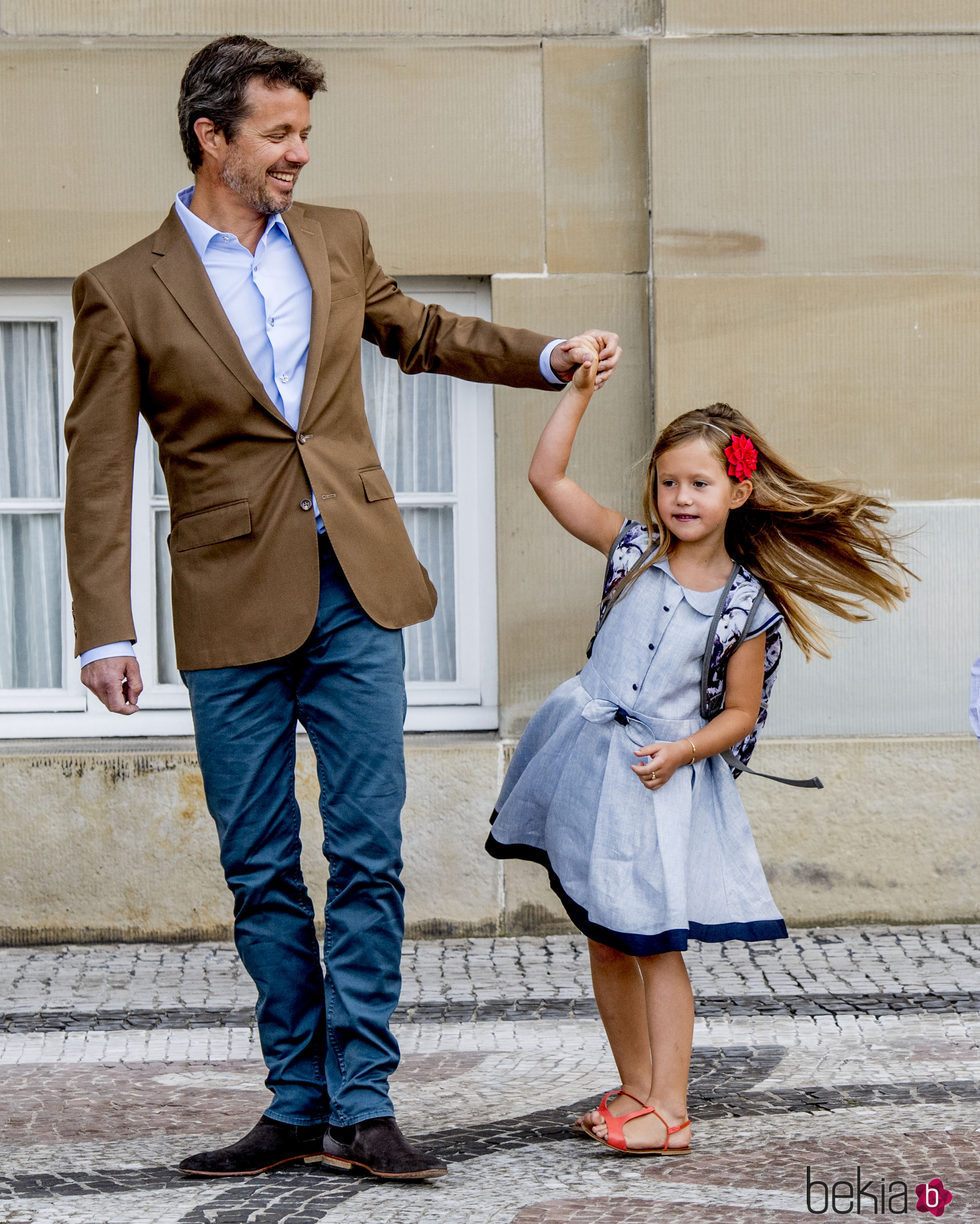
581	1129
615	1139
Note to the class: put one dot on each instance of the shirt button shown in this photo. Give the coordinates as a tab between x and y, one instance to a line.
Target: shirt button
634	688
306	504
284	378
666	609
650	646
272	322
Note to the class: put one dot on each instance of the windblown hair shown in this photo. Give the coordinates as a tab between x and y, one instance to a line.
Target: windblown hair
809	542
215	84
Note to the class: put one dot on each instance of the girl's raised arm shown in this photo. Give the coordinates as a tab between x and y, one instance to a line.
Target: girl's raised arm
577	511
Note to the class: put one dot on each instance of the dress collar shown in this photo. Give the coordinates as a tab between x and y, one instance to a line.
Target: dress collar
704	602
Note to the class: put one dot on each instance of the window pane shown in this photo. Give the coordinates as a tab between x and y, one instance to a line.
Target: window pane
159	484
30	601
411	420
430	648
28	410
166	659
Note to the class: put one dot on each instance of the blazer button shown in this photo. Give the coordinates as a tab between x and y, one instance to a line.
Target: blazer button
301	438
306	504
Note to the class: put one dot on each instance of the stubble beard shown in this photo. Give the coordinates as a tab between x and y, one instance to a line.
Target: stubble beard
254	194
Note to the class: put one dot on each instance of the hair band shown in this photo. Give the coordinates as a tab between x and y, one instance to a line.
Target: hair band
742	456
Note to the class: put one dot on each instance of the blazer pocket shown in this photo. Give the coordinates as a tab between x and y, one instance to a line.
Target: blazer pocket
212	526
376	486
344	289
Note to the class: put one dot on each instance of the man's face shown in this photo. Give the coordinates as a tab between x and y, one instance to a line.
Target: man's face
263	161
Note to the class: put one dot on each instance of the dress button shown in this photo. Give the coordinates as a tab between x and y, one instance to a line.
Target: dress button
666	608
649	645
634	688
306	504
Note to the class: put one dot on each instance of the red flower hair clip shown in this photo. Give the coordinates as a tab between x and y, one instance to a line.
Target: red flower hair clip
742	457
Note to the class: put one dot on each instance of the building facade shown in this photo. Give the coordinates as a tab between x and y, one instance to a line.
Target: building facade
775	205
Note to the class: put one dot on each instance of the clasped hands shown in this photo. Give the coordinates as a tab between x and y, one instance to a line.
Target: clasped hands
583	350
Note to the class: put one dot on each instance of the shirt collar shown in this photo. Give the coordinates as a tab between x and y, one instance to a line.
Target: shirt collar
704	602
201	234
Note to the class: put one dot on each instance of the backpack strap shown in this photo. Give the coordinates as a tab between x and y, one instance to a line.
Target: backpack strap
736	766
707	657
728	756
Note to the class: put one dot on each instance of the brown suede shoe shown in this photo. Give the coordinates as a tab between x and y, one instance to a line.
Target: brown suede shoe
266	1146
378	1147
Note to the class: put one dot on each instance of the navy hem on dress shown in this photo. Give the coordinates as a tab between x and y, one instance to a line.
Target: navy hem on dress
633	944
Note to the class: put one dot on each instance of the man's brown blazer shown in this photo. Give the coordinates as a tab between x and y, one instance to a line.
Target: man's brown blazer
151	338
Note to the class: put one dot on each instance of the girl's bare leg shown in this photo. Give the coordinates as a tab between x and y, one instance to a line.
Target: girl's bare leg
620	996
669	1015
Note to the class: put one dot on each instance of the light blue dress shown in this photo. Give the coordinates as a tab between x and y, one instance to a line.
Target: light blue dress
638	870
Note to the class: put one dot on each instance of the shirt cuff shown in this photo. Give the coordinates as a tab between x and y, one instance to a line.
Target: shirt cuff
547	373
112	651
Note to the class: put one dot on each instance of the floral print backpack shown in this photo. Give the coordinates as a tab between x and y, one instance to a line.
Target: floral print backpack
732	617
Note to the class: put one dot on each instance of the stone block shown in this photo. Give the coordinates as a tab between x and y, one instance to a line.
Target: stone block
548	588
868	378
893	837
455	186
797	156
687	17
340	18
596	183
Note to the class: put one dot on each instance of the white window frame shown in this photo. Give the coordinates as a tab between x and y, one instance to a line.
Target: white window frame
470	702
467	703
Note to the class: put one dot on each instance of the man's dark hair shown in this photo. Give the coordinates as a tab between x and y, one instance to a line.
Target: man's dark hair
215	84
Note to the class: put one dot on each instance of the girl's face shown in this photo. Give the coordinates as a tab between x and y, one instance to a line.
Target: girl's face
694	492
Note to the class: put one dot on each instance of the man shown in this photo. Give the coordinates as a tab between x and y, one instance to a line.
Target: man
235	331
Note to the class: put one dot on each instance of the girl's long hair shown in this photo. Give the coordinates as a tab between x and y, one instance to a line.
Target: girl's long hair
809	542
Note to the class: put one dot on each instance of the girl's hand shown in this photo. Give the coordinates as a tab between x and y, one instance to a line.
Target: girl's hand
664	760
584	376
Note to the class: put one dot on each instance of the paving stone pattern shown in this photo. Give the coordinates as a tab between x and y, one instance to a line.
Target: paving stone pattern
833	1072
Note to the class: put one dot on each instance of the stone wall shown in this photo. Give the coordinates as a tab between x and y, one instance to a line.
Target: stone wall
773	202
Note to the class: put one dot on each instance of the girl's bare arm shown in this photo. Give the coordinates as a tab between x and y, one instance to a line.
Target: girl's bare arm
577	511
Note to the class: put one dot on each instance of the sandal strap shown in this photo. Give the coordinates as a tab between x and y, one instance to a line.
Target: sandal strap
603	1109
614	1126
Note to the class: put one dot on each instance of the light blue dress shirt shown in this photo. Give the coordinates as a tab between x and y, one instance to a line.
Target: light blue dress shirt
268	301
267	298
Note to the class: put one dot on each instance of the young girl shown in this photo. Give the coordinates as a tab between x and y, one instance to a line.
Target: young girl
617	786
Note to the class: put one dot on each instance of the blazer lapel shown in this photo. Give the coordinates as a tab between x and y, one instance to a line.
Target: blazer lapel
181	270
311	247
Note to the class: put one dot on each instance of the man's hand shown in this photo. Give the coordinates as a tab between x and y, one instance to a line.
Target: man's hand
566	357
116	682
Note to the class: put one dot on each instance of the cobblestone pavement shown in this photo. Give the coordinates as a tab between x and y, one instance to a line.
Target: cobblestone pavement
833	1073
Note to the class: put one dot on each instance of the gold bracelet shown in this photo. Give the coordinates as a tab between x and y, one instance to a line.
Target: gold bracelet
694	753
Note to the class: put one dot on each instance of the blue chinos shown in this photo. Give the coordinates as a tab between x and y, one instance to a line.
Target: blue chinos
325	1035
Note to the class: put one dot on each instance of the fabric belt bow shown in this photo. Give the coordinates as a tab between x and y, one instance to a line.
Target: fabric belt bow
599	710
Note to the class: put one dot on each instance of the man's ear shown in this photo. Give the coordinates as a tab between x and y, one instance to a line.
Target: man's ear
741	493
208	137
